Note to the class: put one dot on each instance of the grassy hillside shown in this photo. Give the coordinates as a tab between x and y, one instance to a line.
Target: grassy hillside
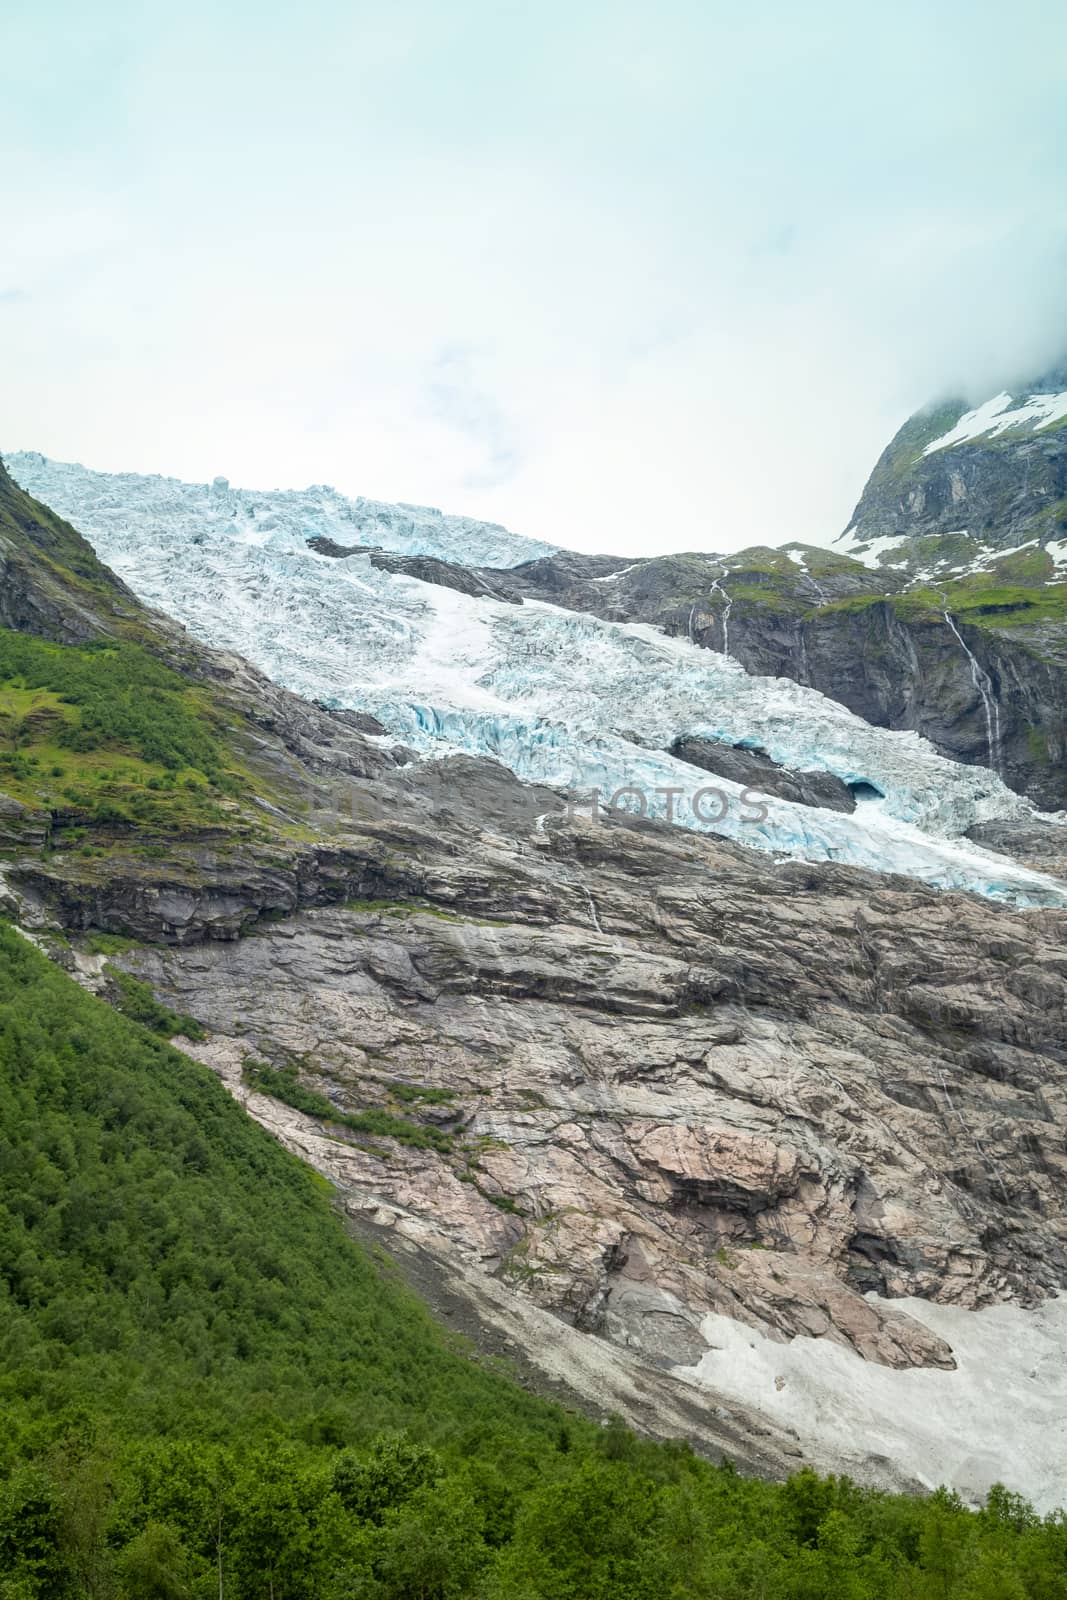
121	736
59	553
208	1388
104	734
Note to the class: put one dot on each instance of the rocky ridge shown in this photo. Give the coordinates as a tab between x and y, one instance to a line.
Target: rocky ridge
994	475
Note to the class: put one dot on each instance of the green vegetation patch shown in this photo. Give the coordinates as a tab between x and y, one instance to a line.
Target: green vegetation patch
109	944
762	560
978	600
123	698
109	736
416	1093
283	1084
983	601
1030	567
823	563
136	1001
759	594
392	908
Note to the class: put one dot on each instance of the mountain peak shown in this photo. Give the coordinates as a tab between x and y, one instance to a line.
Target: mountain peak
994	473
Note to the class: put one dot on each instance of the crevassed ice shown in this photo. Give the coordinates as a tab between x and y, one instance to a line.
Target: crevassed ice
560	698
257	516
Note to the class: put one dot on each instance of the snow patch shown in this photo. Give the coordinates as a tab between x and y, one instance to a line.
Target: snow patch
995	417
870	551
1001	1416
611	576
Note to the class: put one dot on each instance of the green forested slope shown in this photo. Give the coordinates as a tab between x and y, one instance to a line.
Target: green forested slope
207	1389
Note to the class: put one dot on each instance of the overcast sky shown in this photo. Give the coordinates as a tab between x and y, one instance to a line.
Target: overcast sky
626	277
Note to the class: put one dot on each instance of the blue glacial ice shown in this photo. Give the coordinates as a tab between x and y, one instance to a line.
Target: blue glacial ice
560	698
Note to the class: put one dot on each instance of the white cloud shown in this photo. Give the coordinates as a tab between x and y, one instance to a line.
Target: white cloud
622	279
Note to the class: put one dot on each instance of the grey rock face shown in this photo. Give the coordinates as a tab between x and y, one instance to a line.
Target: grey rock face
431	569
762	1091
896	665
1003	488
1037	843
756	770
913	672
21	828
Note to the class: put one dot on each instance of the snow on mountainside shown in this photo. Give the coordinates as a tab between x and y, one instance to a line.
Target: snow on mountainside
1001	415
995	473
253	516
561	698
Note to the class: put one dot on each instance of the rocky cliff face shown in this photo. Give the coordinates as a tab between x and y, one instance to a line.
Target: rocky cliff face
678	1083
979	693
996	473
975	660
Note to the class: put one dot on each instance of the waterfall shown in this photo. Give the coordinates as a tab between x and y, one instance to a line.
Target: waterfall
984	684
717	588
573	877
592	906
801	562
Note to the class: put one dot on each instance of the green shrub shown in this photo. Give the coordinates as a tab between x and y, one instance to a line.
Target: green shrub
136	1001
283	1084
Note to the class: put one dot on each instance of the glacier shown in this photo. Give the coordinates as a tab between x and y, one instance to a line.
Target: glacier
561	698
255	516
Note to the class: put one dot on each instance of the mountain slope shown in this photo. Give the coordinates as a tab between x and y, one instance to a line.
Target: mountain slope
564	700
194	1358
644	1099
51	582
994	475
953	635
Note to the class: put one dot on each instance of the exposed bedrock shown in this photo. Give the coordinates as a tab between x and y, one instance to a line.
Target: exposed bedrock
905	673
754	769
780	1093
